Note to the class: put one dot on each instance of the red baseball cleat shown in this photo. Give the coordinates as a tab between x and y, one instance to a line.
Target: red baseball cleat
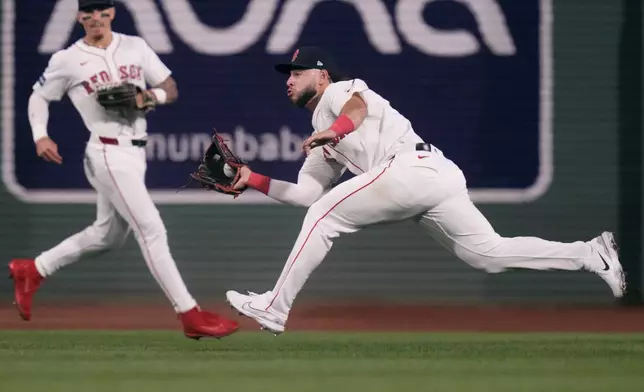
26	281
199	324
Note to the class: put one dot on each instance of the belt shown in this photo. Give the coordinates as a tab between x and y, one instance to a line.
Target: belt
110	140
417	147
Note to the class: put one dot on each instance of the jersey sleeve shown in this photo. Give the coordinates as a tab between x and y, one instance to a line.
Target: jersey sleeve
324	171
340	93
154	70
54	81
316	177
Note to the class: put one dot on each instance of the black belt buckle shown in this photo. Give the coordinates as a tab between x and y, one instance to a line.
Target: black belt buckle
139	143
423	147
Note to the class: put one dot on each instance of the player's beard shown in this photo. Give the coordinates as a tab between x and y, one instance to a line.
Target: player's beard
305	97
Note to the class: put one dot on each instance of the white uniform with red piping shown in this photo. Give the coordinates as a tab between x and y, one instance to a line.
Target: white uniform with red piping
398	176
115	162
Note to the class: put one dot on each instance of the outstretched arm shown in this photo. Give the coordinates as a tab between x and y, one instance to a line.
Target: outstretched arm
315	177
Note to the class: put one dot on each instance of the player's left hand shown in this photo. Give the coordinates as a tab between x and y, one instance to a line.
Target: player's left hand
318	139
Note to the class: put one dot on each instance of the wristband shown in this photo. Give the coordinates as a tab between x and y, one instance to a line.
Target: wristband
159	95
259	182
342	126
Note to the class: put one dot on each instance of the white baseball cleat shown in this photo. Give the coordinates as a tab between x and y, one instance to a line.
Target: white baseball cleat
609	268
254	306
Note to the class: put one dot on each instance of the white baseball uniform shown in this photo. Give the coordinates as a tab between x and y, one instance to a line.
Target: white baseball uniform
115	162
398	177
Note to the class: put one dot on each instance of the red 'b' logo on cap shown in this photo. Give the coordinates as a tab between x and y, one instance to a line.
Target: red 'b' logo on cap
297	51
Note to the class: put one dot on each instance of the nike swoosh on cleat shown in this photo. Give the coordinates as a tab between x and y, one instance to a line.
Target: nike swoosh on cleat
280	322
606	267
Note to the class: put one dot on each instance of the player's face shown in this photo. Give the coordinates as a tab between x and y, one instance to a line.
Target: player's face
96	22
304	85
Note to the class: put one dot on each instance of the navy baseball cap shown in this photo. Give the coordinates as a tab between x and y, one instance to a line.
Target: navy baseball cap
312	57
90	5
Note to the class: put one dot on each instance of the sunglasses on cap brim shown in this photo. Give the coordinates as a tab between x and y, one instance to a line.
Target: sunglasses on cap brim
91	8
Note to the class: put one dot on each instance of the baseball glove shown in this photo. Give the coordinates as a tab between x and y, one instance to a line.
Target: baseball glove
123	96
219	168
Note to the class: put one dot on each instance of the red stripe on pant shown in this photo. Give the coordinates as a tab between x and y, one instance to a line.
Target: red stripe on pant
138	227
315	225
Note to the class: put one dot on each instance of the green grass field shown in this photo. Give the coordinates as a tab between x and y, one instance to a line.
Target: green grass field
166	361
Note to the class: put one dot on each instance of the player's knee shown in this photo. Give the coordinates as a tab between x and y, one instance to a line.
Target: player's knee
151	231
474	259
479	258
323	218
105	237
116	239
315	211
149	227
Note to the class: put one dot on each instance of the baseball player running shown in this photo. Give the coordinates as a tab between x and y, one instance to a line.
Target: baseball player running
114	162
397	176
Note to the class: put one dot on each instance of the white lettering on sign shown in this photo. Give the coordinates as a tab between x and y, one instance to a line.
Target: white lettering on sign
489	18
219	41
378	24
282	146
375	19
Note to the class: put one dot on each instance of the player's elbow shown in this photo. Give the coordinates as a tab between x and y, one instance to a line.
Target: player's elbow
170	87
305	199
173	93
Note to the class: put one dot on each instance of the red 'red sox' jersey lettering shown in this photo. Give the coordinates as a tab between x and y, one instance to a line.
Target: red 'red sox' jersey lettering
129	72
126	72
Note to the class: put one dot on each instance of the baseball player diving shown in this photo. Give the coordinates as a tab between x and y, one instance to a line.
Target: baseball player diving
105	75
397	176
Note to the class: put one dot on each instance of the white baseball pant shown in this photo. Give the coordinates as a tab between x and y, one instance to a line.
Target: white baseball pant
117	173
427	187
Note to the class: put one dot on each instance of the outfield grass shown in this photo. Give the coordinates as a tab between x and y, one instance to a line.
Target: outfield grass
165	361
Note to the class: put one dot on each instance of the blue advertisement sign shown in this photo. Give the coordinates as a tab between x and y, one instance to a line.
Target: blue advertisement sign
473	76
